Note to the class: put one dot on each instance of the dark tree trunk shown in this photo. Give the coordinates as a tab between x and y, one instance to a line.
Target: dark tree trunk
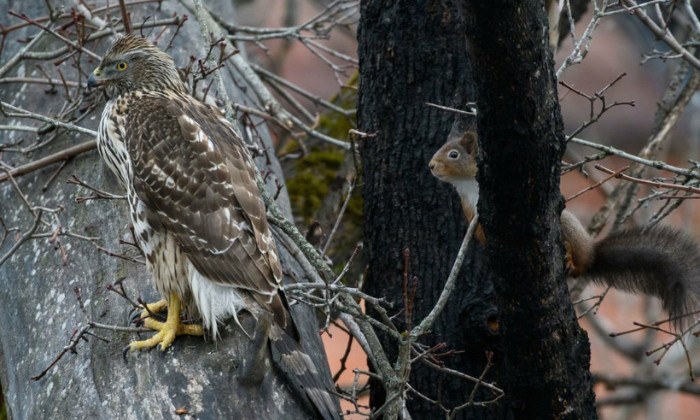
546	360
413	52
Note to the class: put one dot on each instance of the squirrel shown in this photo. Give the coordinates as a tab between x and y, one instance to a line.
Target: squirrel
661	261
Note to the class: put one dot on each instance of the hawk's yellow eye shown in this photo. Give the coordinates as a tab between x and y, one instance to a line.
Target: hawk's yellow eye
122	66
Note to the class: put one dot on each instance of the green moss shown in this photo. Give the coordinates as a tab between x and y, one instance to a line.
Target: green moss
3	409
322	170
314	174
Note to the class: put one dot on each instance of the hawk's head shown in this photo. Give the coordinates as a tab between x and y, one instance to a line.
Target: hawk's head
133	63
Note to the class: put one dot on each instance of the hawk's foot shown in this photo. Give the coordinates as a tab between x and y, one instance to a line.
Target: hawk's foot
153	308
148	310
168	330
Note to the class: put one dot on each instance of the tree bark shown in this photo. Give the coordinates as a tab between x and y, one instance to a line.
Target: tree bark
546	358
411	53
39	286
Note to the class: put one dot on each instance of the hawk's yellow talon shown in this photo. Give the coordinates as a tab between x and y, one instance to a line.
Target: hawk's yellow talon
168	330
154	308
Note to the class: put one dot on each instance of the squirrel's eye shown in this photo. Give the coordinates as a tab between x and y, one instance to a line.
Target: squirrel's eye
122	66
453	154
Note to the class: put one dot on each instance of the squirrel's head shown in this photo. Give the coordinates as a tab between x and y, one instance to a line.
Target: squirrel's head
455	161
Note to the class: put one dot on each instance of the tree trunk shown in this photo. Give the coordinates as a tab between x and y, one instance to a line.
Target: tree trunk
411	53
41	281
415	53
546	358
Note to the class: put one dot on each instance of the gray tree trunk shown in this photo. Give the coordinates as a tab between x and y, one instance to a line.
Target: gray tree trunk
39	284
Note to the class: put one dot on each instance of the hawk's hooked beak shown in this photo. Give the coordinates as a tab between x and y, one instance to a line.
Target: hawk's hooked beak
93	80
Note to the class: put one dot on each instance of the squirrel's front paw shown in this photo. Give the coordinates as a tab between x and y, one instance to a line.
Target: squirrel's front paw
569	264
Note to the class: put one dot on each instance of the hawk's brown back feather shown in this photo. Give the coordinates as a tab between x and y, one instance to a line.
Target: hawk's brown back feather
199	184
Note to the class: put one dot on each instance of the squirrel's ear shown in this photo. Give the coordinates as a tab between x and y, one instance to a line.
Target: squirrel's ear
469	142
459	127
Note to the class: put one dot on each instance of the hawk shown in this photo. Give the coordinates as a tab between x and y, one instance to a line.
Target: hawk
195	207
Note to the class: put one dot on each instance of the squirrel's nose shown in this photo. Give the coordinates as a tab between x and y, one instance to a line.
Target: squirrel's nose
431	165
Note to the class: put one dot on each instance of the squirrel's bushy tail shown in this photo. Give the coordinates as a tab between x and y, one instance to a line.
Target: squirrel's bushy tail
661	262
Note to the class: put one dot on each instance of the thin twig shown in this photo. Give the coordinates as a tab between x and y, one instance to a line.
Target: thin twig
25	237
662	34
428	321
597	184
657	184
49	160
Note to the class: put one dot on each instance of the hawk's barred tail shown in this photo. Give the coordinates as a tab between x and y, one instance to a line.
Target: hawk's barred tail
303	375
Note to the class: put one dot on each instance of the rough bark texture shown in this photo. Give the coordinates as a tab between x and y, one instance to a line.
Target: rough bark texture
40	309
546	355
411	53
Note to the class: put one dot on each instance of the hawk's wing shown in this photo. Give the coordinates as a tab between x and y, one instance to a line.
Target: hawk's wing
198	183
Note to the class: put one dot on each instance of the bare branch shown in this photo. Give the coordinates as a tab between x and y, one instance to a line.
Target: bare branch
428	321
663	34
50	160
